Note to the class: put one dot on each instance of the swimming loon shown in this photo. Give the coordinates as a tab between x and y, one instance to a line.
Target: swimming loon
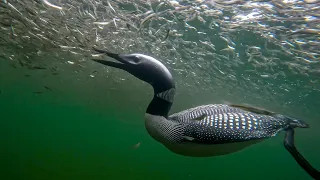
207	130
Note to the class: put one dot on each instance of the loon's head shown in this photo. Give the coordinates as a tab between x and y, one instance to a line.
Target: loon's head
144	67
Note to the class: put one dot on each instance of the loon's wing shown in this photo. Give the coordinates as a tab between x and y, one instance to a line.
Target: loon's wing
221	123
232	127
201	112
253	109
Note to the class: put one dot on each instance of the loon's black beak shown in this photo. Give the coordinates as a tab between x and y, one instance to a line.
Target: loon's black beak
121	65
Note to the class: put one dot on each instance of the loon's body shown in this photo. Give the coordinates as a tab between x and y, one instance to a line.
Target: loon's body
208	130
214	129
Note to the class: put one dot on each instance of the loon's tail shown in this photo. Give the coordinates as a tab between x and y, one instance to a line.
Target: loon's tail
292	123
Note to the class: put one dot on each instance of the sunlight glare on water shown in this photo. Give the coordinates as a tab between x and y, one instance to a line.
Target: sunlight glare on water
200	35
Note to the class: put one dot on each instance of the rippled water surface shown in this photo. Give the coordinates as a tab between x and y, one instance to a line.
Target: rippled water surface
262	53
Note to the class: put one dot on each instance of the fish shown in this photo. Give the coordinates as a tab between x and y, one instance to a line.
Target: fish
47	88
136	146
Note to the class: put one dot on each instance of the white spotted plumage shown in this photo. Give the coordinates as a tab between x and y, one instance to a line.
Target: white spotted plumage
206	126
219	123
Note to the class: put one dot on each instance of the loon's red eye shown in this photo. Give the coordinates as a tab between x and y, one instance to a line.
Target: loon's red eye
136	59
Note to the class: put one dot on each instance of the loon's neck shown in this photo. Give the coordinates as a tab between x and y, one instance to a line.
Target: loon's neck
161	103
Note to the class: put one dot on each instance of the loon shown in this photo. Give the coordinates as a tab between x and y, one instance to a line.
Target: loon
207	130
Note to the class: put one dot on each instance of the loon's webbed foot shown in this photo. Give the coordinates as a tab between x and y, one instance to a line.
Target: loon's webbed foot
289	145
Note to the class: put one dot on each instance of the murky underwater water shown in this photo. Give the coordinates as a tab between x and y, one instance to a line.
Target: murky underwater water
56	135
64	117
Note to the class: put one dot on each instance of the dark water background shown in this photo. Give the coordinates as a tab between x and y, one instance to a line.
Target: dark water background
71	126
66	134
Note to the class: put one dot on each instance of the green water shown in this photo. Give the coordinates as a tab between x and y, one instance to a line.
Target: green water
59	135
